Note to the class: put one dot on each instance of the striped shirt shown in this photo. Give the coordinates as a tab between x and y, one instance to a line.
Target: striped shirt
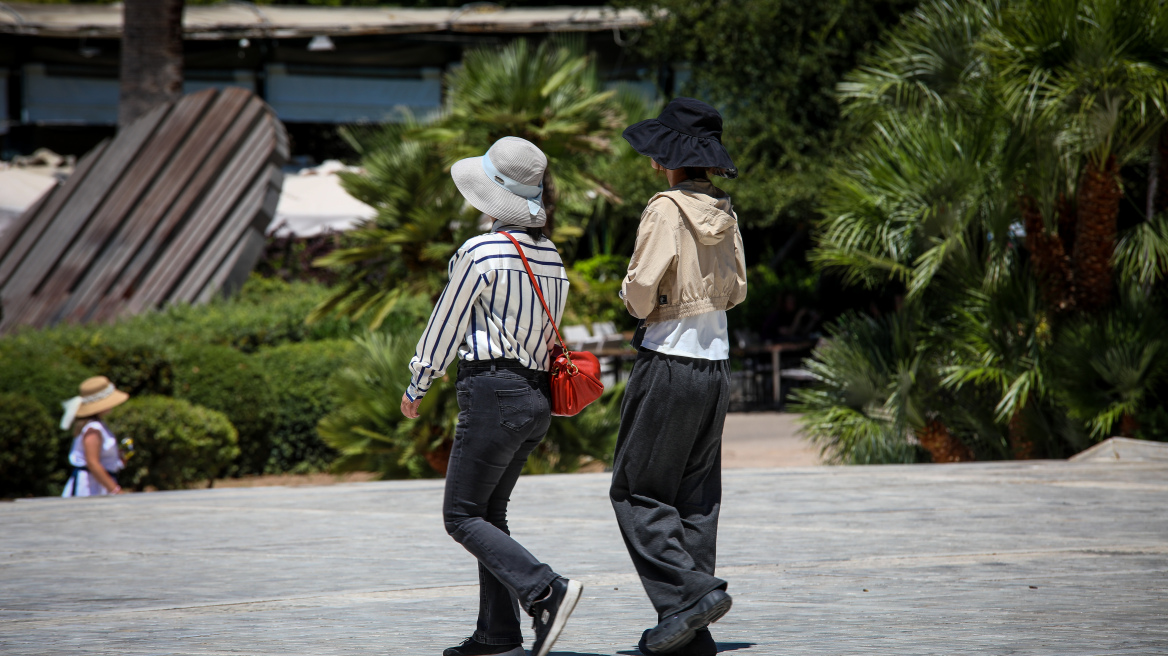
489	308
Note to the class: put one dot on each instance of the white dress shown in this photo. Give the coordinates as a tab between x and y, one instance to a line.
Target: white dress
80	483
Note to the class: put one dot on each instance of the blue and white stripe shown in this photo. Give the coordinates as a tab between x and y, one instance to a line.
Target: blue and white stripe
489	308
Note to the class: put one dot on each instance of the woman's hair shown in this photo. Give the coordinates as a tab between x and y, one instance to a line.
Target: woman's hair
538	234
697	173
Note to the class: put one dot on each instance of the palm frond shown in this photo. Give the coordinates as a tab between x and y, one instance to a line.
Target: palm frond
1141	256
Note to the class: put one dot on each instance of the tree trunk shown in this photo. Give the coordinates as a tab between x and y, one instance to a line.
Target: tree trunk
1021	446
152	56
1098	210
439	458
1048	256
942	445
1128	425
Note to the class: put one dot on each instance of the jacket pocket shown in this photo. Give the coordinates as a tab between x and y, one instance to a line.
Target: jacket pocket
515	410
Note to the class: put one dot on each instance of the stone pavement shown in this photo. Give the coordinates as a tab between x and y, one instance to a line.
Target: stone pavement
765	439
994	558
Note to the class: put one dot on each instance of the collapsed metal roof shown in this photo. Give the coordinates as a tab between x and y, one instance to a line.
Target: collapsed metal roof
238	20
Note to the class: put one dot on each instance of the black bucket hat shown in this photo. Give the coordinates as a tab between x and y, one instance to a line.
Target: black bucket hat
688	133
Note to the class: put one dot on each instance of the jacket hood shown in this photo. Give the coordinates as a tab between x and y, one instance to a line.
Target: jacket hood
706	208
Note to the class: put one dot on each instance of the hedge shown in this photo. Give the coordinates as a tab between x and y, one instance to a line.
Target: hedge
135	363
265	313
299	375
176	443
29	448
223	379
41	369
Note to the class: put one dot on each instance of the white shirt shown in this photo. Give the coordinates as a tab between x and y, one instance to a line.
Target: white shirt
489	308
82	484
703	336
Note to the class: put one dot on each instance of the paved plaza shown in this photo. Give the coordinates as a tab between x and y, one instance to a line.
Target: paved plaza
995	558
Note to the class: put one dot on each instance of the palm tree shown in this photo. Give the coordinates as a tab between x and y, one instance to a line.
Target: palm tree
870	392
1094	73
987	191
152	56
549	94
421	220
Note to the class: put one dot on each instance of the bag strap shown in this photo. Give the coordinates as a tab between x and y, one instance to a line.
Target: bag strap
538	292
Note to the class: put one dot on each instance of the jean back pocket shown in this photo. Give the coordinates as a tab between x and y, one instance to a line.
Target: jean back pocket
515	408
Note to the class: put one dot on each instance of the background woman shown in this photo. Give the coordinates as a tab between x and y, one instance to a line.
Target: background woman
687	269
95	457
489	312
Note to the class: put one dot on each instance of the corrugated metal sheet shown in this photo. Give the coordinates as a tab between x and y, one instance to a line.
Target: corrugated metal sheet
233	21
171	210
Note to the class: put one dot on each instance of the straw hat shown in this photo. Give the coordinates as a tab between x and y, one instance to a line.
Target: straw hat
98	394
506	183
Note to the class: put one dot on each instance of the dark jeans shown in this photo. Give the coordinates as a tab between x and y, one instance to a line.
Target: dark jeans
505	412
667	475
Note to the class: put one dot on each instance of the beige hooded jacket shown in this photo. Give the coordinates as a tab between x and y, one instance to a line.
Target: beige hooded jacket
688	259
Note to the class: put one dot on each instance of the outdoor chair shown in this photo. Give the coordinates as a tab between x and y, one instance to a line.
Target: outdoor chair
607	336
577	338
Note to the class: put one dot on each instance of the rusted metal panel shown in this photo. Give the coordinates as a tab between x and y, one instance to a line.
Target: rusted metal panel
163	213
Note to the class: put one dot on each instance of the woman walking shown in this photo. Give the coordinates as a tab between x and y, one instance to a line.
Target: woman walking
94	457
491	314
687	269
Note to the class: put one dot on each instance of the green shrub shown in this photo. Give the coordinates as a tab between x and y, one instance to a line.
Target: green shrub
368	430
136	364
29	448
266	312
594	295
176	443
370	433
223	379
768	289
299	376
40	368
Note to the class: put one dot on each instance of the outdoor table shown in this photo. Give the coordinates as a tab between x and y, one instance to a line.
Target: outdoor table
775	351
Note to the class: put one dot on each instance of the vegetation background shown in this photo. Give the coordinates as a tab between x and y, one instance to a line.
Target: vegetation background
971	192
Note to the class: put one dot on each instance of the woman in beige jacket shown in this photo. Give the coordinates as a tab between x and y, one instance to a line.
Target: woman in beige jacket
687	269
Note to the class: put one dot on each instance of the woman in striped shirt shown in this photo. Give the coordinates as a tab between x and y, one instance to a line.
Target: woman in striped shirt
490	313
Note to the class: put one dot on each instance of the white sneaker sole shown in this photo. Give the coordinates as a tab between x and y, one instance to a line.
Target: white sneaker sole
571	597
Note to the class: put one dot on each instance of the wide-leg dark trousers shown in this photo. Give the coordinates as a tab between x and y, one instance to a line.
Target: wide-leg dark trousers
667	475
504	414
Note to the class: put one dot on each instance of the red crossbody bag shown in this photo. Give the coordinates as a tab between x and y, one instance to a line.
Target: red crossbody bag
574	375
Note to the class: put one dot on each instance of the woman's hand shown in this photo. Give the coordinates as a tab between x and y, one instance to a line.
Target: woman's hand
410	408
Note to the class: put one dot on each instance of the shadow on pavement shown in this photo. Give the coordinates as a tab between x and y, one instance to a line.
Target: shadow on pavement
722	647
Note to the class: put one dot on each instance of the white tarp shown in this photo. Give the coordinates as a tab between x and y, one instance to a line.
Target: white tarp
312	202
20	187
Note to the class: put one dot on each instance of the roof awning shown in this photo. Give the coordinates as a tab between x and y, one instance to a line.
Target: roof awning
238	20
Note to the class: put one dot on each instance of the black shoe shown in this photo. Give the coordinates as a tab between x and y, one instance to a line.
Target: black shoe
702	645
550	614
472	647
678	630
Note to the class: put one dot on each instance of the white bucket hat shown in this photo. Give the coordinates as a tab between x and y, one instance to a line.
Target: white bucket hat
506	183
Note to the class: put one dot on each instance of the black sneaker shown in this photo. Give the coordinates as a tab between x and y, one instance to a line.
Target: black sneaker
472	647
676	631
702	645
551	614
